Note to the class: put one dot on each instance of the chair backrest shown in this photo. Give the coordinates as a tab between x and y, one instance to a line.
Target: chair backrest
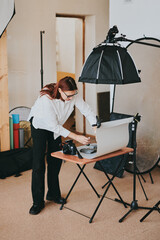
22	111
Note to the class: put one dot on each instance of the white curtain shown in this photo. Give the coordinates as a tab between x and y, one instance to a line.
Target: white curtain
6	13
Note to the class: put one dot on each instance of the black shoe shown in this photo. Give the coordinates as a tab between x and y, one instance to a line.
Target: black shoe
35	209
58	200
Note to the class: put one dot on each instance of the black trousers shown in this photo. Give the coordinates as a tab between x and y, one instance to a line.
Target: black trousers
43	140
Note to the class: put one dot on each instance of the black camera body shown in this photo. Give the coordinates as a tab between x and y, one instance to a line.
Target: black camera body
69	147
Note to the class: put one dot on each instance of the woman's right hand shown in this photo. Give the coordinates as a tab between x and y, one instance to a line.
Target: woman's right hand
82	139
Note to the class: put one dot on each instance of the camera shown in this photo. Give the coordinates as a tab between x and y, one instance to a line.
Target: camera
69	147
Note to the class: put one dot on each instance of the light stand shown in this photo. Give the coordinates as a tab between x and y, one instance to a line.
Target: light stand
109	63
134	204
132	144
41	45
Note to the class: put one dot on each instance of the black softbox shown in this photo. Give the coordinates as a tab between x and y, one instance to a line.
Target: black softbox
109	64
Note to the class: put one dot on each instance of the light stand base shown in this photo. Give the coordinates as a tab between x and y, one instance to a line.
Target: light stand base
133	206
156	207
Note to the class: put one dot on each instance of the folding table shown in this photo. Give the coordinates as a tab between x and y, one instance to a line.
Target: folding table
81	163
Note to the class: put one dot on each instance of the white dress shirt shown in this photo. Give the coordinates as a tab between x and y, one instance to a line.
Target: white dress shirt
52	114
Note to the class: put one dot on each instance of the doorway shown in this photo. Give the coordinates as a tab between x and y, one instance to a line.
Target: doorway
70	46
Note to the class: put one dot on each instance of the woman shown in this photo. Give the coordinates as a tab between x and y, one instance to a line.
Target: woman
50	111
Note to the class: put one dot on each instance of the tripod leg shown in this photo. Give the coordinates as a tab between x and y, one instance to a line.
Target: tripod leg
121	220
151	177
134	204
141	220
141	175
152	209
143	178
142	187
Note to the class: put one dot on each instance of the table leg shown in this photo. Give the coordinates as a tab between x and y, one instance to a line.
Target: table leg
81	171
111	179
73	186
110	183
89	181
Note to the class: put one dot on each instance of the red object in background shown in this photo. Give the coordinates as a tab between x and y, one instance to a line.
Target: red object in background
15	126
16	135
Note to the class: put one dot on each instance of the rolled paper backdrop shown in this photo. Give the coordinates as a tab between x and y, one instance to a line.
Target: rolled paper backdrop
15	118
110	137
11	132
21	137
15	126
16	138
16	134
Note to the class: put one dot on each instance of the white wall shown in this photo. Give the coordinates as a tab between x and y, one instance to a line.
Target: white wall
135	19
65	44
24	43
24	51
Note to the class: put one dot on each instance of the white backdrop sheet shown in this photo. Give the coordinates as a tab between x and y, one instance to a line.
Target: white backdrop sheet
110	137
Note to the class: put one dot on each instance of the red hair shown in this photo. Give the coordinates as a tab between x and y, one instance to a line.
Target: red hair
66	84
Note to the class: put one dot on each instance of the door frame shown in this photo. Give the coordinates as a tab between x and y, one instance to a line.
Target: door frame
83	52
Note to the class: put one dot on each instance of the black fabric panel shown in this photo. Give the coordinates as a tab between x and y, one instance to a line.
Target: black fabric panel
90	67
15	161
109	66
130	74
110	165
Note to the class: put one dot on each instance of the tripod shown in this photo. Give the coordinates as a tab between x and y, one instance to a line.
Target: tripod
132	143
134	204
155	207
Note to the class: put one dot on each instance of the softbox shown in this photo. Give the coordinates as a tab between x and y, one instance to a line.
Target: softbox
7	11
109	64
